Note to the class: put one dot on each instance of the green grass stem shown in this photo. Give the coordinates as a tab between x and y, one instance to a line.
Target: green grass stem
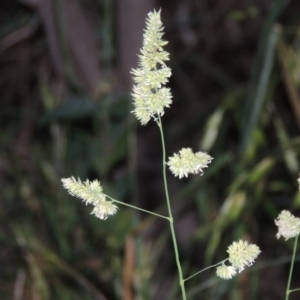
219	263
181	281
135	207
288	291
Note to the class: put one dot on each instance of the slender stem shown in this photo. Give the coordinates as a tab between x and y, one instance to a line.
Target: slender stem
135	207
288	291
206	269
181	281
294	290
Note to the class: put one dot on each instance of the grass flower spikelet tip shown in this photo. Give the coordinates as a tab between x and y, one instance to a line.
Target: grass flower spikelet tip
288	225
150	97
242	254
186	162
225	272
90	193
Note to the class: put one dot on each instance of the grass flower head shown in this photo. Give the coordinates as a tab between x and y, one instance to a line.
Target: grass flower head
288	225
225	272
150	97
186	162
242	254
104	209
90	193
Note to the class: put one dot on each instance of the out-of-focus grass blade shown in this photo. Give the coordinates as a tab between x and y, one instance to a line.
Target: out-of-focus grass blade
213	244
290	156
277	9
231	208
261	170
290	65
253	112
258	139
238	182
296	201
258	173
75	41
32	246
38	282
229	212
144	270
241	15
213	125
212	129
108	51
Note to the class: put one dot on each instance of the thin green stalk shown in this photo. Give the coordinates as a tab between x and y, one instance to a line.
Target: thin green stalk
288	291
135	207
205	269
181	281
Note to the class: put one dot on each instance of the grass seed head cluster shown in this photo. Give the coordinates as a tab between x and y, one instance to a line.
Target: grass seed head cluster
150	98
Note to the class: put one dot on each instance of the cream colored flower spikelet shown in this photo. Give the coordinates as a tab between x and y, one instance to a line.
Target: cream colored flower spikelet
225	272
288	225
242	254
150	97
90	193
186	162
104	209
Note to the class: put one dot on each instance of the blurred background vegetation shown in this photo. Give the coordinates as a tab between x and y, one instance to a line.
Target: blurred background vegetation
65	110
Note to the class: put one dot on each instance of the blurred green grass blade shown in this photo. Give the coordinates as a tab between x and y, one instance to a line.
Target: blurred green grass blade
46	259
38	280
60	42
278	186
146	260
258	140
254	284
213	125
253	112
202	205
289	59
55	227
296	201
277	9
108	50
229	212
290	156
238	182
231	208
261	170
213	244
212	129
